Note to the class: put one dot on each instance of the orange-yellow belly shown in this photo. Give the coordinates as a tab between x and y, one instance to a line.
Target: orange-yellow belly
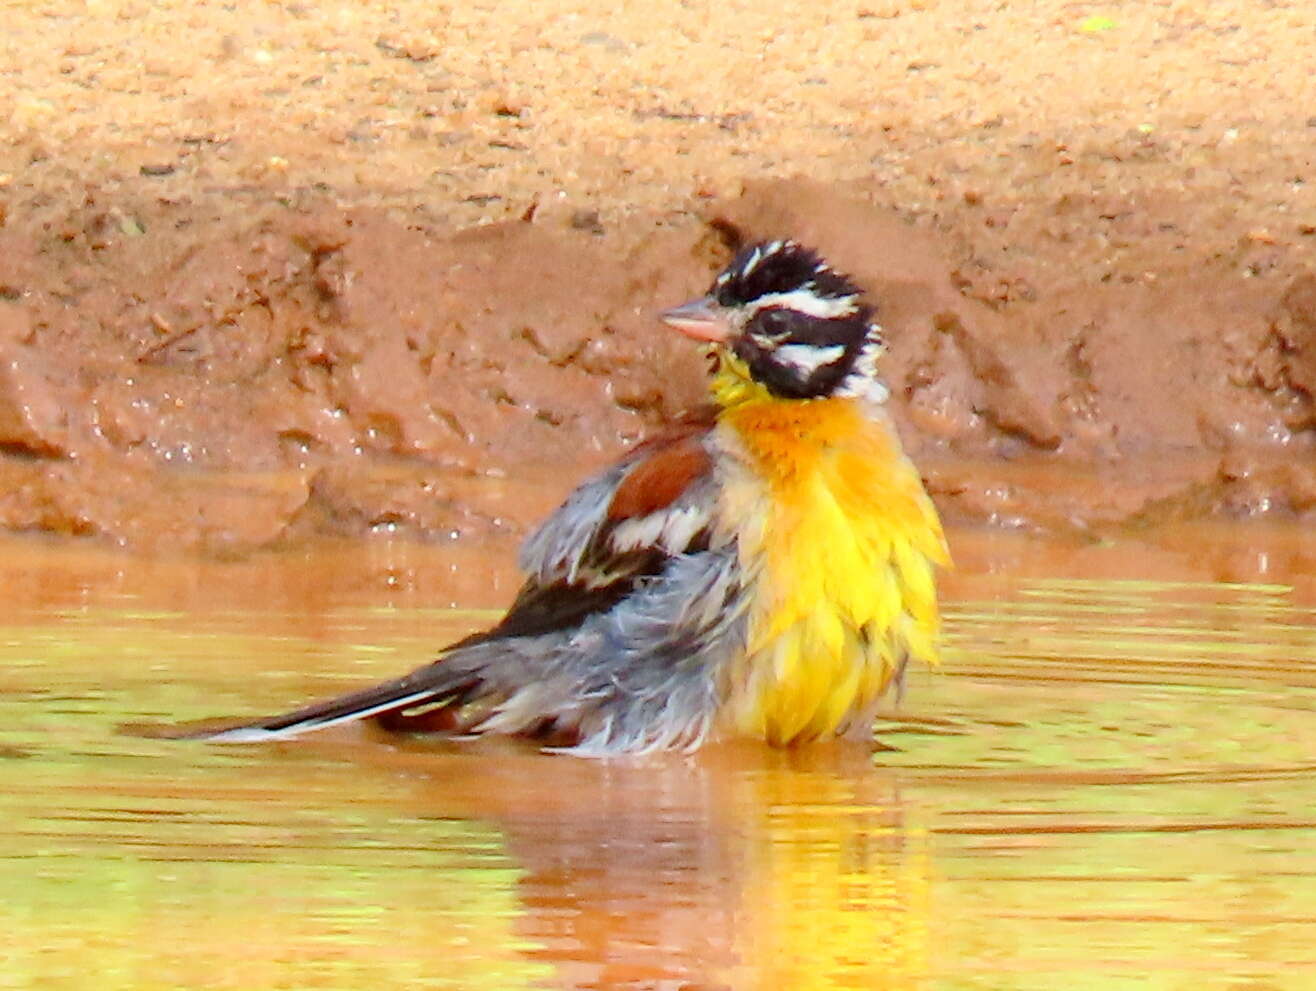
839	541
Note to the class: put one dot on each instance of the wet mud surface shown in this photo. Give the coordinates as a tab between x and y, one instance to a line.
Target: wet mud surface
332	371
366	274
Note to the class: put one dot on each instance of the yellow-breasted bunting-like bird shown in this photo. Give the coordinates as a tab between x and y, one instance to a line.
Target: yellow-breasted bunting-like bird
764	574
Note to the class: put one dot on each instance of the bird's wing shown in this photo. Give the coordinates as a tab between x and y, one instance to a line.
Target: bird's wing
613	533
615	530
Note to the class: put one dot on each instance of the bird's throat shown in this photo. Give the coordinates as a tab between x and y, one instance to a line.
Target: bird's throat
732	384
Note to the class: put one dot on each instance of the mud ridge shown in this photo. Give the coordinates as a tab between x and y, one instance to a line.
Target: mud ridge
229	382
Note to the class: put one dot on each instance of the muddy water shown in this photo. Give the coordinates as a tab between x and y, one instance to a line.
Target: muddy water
1110	784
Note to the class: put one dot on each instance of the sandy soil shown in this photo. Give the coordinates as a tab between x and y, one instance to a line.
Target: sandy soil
281	269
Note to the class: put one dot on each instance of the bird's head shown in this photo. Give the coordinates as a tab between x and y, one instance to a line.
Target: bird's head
786	323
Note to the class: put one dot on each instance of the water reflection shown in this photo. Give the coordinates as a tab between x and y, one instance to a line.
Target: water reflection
737	867
1110	784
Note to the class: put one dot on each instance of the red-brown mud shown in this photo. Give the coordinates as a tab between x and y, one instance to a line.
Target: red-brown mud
331	369
320	369
270	272
1095	394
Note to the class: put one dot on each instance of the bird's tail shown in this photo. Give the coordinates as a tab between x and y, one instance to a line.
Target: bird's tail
429	687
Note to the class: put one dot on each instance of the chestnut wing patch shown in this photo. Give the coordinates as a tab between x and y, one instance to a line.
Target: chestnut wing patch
659	504
660	479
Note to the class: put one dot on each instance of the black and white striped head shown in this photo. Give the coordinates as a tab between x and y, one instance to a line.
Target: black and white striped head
800	329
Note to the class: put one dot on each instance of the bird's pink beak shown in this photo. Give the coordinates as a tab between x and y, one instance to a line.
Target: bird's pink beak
701	319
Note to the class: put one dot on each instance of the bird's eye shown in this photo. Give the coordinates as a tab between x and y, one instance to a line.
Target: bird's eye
772	327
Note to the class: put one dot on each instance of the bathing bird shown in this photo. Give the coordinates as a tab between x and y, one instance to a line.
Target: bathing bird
763	572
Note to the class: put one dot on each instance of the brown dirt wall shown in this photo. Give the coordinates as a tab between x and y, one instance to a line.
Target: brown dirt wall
347	270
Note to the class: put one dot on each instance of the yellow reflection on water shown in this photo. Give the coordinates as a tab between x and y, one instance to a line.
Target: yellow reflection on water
837	886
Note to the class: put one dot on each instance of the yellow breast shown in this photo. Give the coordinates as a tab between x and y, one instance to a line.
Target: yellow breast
839	541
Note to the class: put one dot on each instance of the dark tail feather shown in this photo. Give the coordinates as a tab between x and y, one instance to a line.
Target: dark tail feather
426	686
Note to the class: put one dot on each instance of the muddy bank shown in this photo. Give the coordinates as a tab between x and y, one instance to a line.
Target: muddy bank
1070	363
224	382
235	380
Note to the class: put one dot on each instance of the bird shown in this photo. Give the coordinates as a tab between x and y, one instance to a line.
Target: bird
763	571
